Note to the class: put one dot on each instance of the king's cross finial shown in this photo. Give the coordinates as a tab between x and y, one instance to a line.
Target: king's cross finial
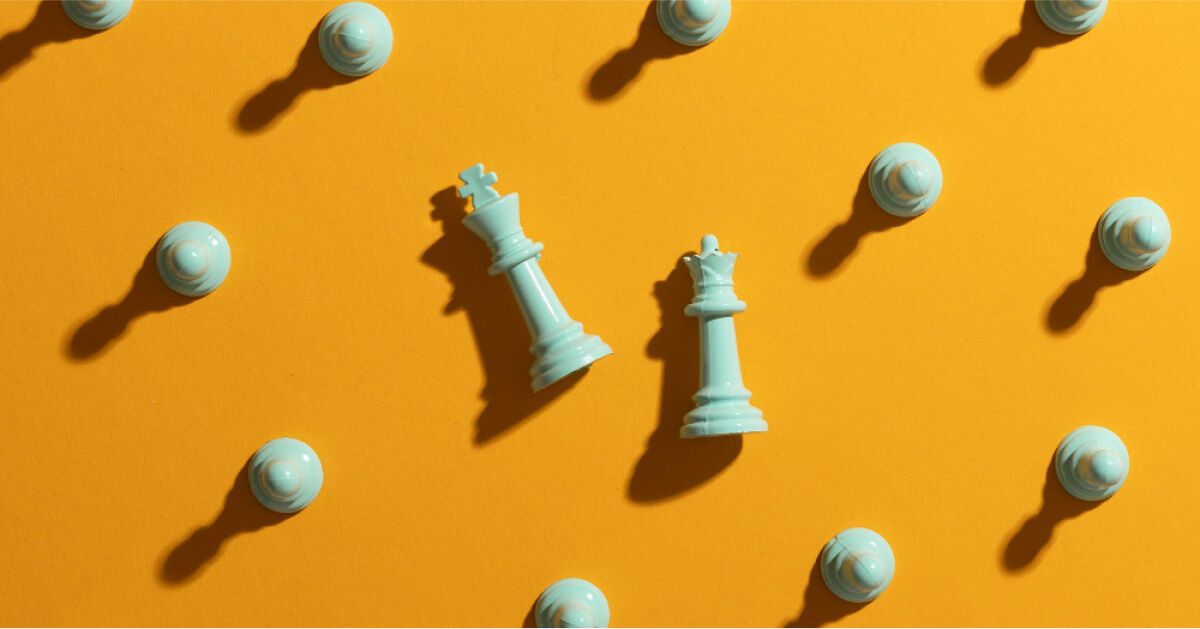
479	186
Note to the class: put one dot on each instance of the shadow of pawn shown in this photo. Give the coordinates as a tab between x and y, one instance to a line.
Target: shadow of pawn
147	294
837	246
821	606
1069	308
1003	64
50	25
620	71
241	513
1025	546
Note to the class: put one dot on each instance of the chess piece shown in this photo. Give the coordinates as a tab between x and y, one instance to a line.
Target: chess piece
1071	17
97	14
193	258
285	475
571	603
857	565
1092	463
1134	233
722	403
693	22
905	179
560	346
355	38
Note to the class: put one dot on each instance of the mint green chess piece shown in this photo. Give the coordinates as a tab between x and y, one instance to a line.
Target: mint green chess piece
1134	233
693	22
1071	17
571	603
193	258
1091	463
857	565
285	475
905	179
723	402
355	38
97	14
560	347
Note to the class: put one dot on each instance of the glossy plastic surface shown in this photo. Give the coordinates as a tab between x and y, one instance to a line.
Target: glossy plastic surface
285	475
857	565
693	22
355	38
193	258
723	402
560	346
1092	463
905	179
1134	233
1071	17
97	14
571	603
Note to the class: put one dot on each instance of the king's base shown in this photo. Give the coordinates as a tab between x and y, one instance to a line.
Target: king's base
714	420
567	354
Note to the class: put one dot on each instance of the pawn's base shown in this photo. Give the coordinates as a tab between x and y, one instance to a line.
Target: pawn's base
692	35
1059	21
722	418
1109	233
1079	442
565	353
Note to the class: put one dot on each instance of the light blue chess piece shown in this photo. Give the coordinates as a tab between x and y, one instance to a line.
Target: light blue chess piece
723	402
571	603
857	565
1134	233
97	14
1092	463
560	347
193	258
1071	17
693	22
905	179
285	475
355	38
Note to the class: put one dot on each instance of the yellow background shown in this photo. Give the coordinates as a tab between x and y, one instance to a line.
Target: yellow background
916	375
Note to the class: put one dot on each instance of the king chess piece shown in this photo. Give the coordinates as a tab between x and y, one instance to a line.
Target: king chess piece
560	347
722	403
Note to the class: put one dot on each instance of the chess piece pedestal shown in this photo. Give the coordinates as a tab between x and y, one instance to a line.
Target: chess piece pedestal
193	258
571	603
693	22
905	179
355	38
857	565
285	475
1091	463
1071	17
97	15
723	402
1134	233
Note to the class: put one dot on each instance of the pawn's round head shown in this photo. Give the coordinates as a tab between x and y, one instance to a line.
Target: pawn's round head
911	180
697	12
188	259
1147	234
1103	468
574	616
354	37
282	478
864	572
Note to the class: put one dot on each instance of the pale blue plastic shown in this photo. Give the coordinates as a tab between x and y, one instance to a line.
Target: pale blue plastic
571	603
693	22
1071	17
560	346
1134	233
857	565
193	258
905	179
285	475
355	38
97	14
1092	463
723	402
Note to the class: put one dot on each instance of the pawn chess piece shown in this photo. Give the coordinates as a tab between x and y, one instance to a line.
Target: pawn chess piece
722	403
905	179
571	603
1091	463
560	347
355	38
857	565
193	258
97	15
693	22
1134	233
285	475
1071	17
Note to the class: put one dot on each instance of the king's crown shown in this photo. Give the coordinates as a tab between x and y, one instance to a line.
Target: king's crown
478	186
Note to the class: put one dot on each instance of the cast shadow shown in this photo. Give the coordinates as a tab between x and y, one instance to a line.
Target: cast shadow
1006	61
821	606
866	217
241	513
1078	296
623	68
147	294
501	336
530	618
1024	547
50	25
671	465
262	110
